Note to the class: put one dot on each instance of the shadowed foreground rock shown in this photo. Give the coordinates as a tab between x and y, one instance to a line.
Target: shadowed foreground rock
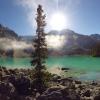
21	83
7	91
16	84
59	93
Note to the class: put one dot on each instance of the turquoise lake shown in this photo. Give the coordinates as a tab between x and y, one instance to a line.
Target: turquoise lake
84	67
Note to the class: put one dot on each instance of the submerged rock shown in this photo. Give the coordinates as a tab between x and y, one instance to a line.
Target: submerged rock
65	69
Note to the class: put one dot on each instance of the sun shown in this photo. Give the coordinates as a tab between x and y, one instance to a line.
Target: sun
58	21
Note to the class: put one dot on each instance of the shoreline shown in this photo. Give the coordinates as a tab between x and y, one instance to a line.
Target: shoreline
64	72
81	75
17	85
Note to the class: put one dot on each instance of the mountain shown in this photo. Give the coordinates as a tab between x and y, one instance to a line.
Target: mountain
27	39
68	42
73	43
7	33
65	42
96	36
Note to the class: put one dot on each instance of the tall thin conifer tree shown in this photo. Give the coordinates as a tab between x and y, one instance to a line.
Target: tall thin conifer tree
40	53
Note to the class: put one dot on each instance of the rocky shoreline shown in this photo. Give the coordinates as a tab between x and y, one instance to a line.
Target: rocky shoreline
16	84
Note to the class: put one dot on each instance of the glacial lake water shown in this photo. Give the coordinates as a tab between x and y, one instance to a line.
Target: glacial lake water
83	67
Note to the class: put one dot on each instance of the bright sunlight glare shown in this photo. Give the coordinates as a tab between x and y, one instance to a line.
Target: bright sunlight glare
55	42
58	21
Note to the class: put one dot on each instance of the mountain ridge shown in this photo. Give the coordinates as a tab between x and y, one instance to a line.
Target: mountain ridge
67	41
5	32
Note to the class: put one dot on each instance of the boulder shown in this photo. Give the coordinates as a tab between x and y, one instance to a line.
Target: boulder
59	94
7	91
97	97
87	93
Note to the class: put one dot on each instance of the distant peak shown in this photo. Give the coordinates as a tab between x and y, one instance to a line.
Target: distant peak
6	32
64	31
1	25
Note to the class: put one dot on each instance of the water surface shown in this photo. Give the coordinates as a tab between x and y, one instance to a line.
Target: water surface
83	67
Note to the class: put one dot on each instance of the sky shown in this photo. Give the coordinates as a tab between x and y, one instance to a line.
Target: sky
83	16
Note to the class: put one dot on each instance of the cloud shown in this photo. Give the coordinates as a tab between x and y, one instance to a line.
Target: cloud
49	6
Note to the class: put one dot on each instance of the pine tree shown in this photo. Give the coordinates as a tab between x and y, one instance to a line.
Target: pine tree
40	53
